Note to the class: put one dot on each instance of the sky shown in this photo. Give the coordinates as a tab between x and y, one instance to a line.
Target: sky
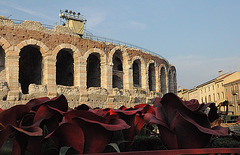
198	37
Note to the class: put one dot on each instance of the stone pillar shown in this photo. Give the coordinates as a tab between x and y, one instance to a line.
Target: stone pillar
144	77
83	80
106	76
175	83
157	78
12	74
49	75
127	77
77	71
83	74
167	82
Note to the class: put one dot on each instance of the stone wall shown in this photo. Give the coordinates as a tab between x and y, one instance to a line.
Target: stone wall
18	39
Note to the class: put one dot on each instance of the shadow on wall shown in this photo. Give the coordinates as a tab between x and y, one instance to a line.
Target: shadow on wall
93	70
117	79
30	67
65	71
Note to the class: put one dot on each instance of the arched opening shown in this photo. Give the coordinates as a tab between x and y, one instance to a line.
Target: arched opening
2	59
65	68
170	82
117	70
151	77
137	73
174	82
30	67
93	70
163	81
2	65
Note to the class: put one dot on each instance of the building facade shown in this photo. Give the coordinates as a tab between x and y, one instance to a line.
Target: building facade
37	62
220	89
232	96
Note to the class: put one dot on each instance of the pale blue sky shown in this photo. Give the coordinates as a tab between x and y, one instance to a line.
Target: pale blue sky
199	37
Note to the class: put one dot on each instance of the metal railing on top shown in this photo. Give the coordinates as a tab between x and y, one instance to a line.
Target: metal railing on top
90	36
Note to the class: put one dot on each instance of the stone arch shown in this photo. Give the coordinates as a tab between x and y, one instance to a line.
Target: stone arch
30	67
174	77
101	56
117	70
42	48
4	48
141	60
76	52
163	79
2	59
142	72
170	81
124	55
65	67
4	44
93	70
74	72
32	42
2	65
127	79
151	72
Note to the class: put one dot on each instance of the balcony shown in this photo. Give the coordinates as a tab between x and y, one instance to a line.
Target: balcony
235	92
230	103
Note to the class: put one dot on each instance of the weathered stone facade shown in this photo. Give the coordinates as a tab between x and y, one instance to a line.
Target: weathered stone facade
37	62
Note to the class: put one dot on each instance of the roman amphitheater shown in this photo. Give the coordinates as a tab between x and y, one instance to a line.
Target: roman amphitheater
36	61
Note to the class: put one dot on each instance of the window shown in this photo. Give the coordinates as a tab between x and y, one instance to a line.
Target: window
218	96
222	95
208	88
226	89
209	98
236	88
217	85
